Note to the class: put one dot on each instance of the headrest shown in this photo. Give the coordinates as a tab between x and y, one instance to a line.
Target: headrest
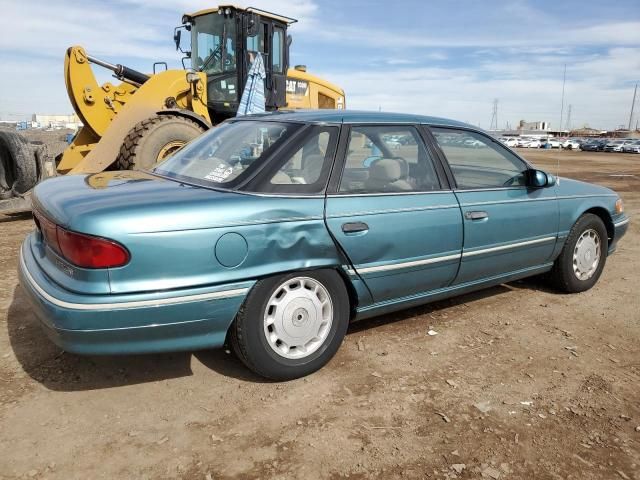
386	169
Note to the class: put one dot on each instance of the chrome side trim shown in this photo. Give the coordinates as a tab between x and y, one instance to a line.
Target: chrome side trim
388	194
507	247
542	199
392	210
414	263
621	223
562	197
135	327
499	202
444	258
133	304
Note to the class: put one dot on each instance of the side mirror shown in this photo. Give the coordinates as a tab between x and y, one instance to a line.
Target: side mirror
176	38
539	179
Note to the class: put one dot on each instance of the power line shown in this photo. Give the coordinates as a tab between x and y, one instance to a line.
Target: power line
633	104
564	79
494	116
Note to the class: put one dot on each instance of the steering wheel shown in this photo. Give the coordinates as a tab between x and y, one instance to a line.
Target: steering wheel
212	56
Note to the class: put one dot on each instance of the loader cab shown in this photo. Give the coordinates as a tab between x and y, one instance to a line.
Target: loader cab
224	43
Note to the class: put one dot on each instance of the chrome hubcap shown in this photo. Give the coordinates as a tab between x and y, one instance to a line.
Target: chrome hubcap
298	317
586	255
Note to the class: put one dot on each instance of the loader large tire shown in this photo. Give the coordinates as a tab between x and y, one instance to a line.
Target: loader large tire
18	165
155	138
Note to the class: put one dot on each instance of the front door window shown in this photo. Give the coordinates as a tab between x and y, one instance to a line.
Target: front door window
479	162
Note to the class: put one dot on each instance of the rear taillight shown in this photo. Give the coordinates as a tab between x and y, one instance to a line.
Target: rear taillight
91	252
82	250
49	231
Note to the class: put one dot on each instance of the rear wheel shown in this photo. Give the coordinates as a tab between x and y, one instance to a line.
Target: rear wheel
154	139
291	325
583	256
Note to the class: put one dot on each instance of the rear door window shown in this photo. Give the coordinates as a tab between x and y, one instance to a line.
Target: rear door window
387	159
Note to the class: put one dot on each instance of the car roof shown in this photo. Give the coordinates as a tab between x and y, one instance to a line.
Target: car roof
355	116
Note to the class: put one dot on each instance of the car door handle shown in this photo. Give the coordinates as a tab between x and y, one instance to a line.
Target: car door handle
354	227
477	215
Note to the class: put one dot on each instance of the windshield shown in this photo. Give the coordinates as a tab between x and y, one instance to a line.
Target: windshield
228	154
213	44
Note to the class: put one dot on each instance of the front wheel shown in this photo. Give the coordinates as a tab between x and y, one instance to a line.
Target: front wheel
583	256
291	325
154	139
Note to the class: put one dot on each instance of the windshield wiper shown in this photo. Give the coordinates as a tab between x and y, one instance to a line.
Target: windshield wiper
220	49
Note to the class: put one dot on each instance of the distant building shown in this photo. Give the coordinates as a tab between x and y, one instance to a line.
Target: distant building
543	126
56	121
587	132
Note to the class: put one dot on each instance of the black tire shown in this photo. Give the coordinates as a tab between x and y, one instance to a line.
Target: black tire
18	166
562	275
144	144
249	342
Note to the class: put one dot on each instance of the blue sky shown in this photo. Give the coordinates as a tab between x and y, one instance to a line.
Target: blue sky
447	58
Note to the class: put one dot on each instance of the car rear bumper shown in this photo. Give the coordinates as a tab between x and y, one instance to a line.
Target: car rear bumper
135	323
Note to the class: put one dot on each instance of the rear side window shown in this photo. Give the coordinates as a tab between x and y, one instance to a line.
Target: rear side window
479	162
387	159
304	169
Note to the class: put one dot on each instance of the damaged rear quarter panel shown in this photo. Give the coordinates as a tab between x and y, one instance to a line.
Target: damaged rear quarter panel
282	234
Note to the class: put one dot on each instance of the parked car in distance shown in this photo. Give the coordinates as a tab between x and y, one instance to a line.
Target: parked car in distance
510	141
523	141
571	144
550	143
533	143
616	145
276	231
633	147
593	145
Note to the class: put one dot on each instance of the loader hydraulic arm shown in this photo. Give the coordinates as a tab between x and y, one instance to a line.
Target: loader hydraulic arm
95	105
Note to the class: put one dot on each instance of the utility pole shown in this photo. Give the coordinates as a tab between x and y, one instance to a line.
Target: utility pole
564	78
633	104
568	124
494	116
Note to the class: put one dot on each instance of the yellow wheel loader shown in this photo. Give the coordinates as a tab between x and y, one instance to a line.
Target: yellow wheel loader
146	117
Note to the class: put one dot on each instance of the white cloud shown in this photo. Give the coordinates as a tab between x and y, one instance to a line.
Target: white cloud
513	51
529	90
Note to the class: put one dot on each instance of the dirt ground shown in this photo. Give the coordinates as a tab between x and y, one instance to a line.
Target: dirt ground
519	383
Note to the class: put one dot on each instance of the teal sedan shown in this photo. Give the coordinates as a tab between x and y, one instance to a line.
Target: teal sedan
273	232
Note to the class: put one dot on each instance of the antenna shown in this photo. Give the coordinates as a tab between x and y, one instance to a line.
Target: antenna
633	104
568	124
564	79
494	116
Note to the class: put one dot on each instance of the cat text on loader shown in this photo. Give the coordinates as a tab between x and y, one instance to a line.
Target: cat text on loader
144	118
